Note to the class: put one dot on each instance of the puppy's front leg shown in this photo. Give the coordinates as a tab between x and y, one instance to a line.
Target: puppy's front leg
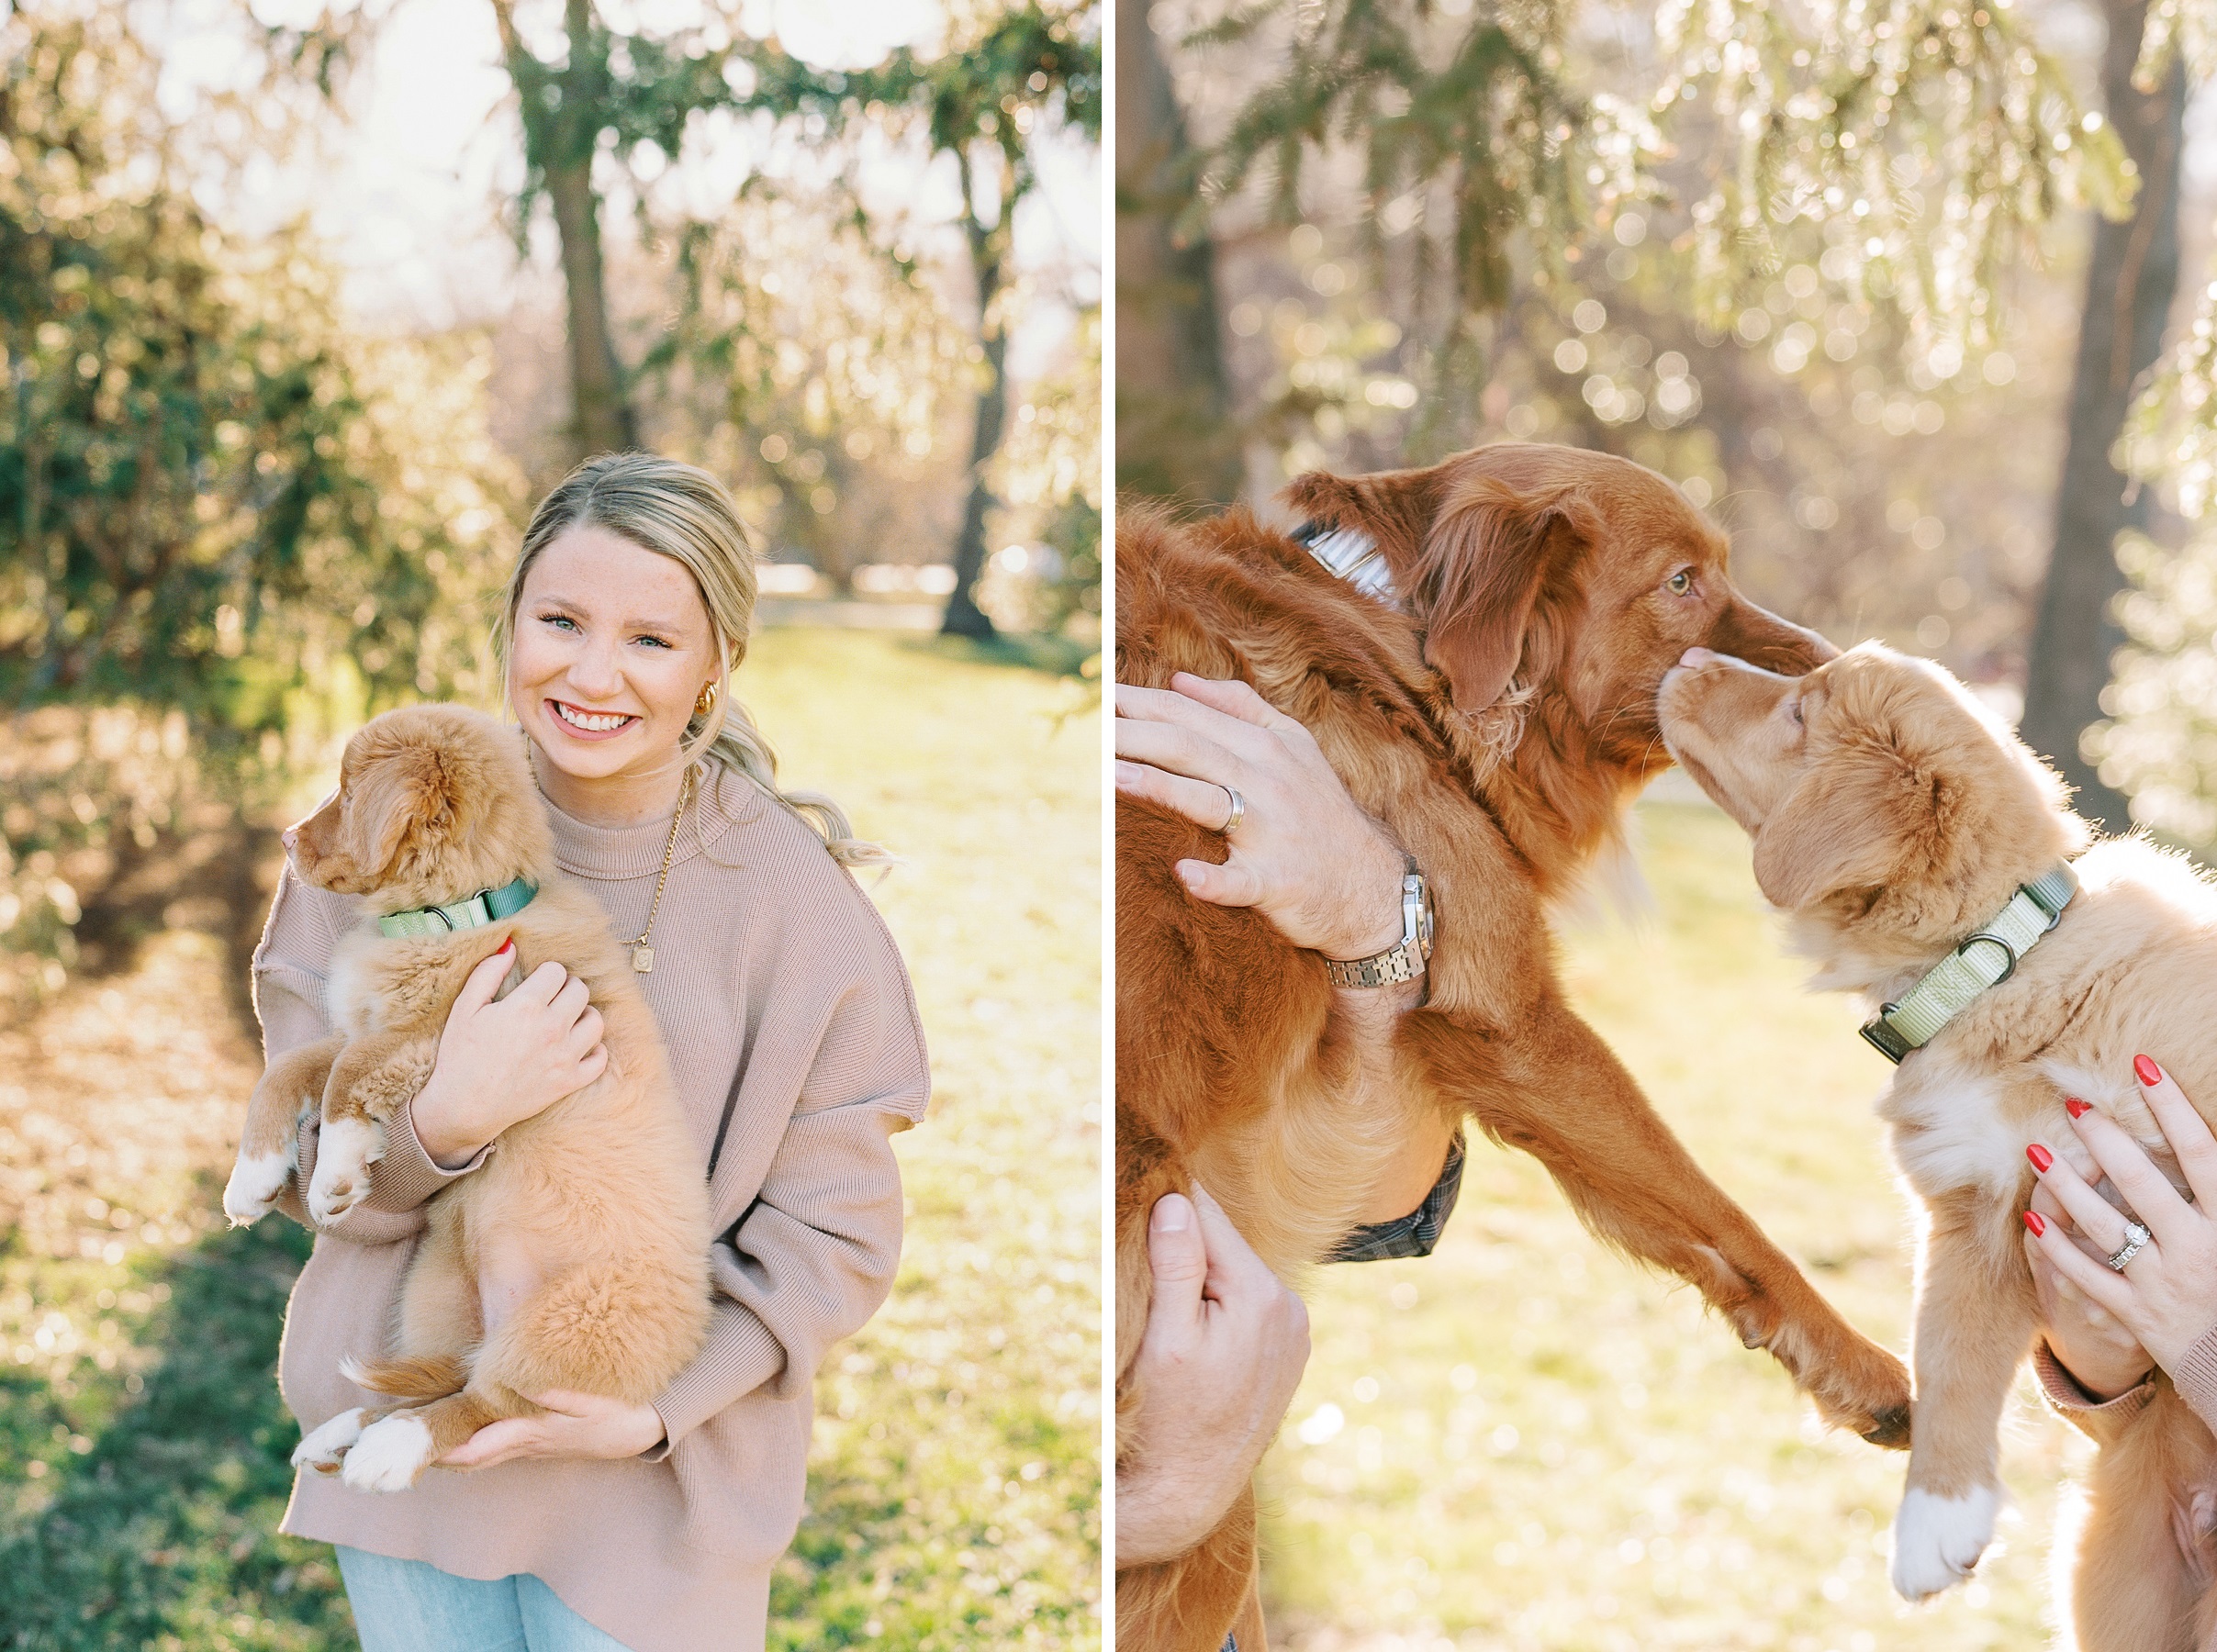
372	1080
1975	1317
268	1145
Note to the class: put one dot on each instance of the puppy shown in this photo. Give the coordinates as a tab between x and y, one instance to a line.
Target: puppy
591	1218
1894	818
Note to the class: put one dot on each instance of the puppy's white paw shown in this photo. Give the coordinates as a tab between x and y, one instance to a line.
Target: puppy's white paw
254	1185
344	1151
1938	1540
323	1447
389	1456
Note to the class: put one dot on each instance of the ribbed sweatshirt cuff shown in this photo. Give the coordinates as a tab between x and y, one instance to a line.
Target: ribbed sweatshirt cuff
739	1356
2195	1378
2078	1408
399	1183
408	1175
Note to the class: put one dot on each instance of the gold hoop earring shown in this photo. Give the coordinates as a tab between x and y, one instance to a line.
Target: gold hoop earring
707	702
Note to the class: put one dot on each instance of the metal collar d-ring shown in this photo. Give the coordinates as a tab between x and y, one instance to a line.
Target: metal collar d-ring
2007	951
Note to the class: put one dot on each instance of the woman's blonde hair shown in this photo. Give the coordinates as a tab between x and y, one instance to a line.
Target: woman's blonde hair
680	511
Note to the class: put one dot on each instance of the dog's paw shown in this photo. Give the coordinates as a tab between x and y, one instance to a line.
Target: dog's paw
323	1448
390	1456
251	1192
1938	1540
345	1150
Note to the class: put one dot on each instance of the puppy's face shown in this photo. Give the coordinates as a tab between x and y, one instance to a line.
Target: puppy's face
1560	569
1876	787
434	803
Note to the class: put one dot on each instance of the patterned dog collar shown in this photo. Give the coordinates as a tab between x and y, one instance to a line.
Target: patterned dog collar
486	906
1986	959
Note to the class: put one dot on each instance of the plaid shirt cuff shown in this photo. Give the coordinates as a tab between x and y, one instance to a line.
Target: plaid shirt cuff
1415	1233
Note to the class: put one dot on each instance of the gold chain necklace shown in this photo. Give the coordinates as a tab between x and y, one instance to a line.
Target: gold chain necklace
642	955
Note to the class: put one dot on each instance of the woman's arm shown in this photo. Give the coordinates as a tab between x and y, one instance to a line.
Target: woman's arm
1304	855
2163	1301
809	1260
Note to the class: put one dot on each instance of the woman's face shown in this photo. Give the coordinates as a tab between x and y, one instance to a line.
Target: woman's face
611	648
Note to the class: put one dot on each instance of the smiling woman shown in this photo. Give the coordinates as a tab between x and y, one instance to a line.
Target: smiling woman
793	1041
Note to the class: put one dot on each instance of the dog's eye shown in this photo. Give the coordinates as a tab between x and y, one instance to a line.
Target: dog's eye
1795	707
1679	584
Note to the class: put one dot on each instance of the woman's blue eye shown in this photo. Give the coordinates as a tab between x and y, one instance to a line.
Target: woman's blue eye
562	620
657	641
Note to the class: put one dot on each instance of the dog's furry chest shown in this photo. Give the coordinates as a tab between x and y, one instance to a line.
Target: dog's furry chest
378	984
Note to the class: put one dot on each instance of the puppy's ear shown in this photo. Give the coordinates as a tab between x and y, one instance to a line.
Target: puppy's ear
392	796
1859	820
1479	576
1470	551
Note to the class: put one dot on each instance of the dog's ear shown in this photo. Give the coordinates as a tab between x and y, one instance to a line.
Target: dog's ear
1479	574
1470	551
1858	820
392	796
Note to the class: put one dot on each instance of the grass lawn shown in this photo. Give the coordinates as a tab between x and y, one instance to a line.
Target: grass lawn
955	1487
1522	1442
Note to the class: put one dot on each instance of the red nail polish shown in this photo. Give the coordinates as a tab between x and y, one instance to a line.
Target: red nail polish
2078	1109
2147	1071
2042	1158
2031	1219
507	945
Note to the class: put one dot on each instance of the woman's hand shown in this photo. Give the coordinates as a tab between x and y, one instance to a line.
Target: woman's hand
2088	1341
1222	1351
574	1425
2166	1299
1304	855
500	1064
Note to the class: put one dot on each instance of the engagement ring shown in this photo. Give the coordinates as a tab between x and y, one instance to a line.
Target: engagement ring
2134	1237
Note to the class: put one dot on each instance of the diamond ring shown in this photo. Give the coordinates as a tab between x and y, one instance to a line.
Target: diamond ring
2135	1236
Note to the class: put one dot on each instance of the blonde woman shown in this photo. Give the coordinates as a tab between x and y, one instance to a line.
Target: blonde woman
794	1039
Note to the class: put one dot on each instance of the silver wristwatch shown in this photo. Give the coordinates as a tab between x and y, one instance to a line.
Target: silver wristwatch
1403	961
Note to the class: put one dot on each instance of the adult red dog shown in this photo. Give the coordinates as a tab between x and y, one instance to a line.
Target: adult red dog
1492	701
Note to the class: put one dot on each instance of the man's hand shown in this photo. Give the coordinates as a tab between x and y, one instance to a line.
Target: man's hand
1222	1355
573	1426
1305	856
501	1062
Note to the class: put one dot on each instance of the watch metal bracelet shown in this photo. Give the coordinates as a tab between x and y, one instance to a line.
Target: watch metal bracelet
1404	961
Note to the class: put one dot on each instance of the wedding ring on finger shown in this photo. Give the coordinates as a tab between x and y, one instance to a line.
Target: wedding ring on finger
2135	1236
1231	821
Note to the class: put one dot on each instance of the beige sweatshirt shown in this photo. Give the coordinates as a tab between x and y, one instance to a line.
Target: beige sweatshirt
794	1039
2101	1420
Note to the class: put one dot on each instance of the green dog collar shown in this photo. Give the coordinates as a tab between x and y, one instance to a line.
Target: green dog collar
1986	959
486	906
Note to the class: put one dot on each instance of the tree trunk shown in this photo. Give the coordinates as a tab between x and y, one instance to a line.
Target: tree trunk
2130	280
1174	434
600	413
989	252
601	421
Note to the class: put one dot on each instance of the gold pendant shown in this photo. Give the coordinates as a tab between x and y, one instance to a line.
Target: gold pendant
643	960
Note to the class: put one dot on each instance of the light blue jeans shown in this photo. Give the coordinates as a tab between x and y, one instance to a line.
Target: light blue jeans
412	1606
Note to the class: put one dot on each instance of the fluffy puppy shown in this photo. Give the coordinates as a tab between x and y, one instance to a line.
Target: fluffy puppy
1893	816
591	1218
